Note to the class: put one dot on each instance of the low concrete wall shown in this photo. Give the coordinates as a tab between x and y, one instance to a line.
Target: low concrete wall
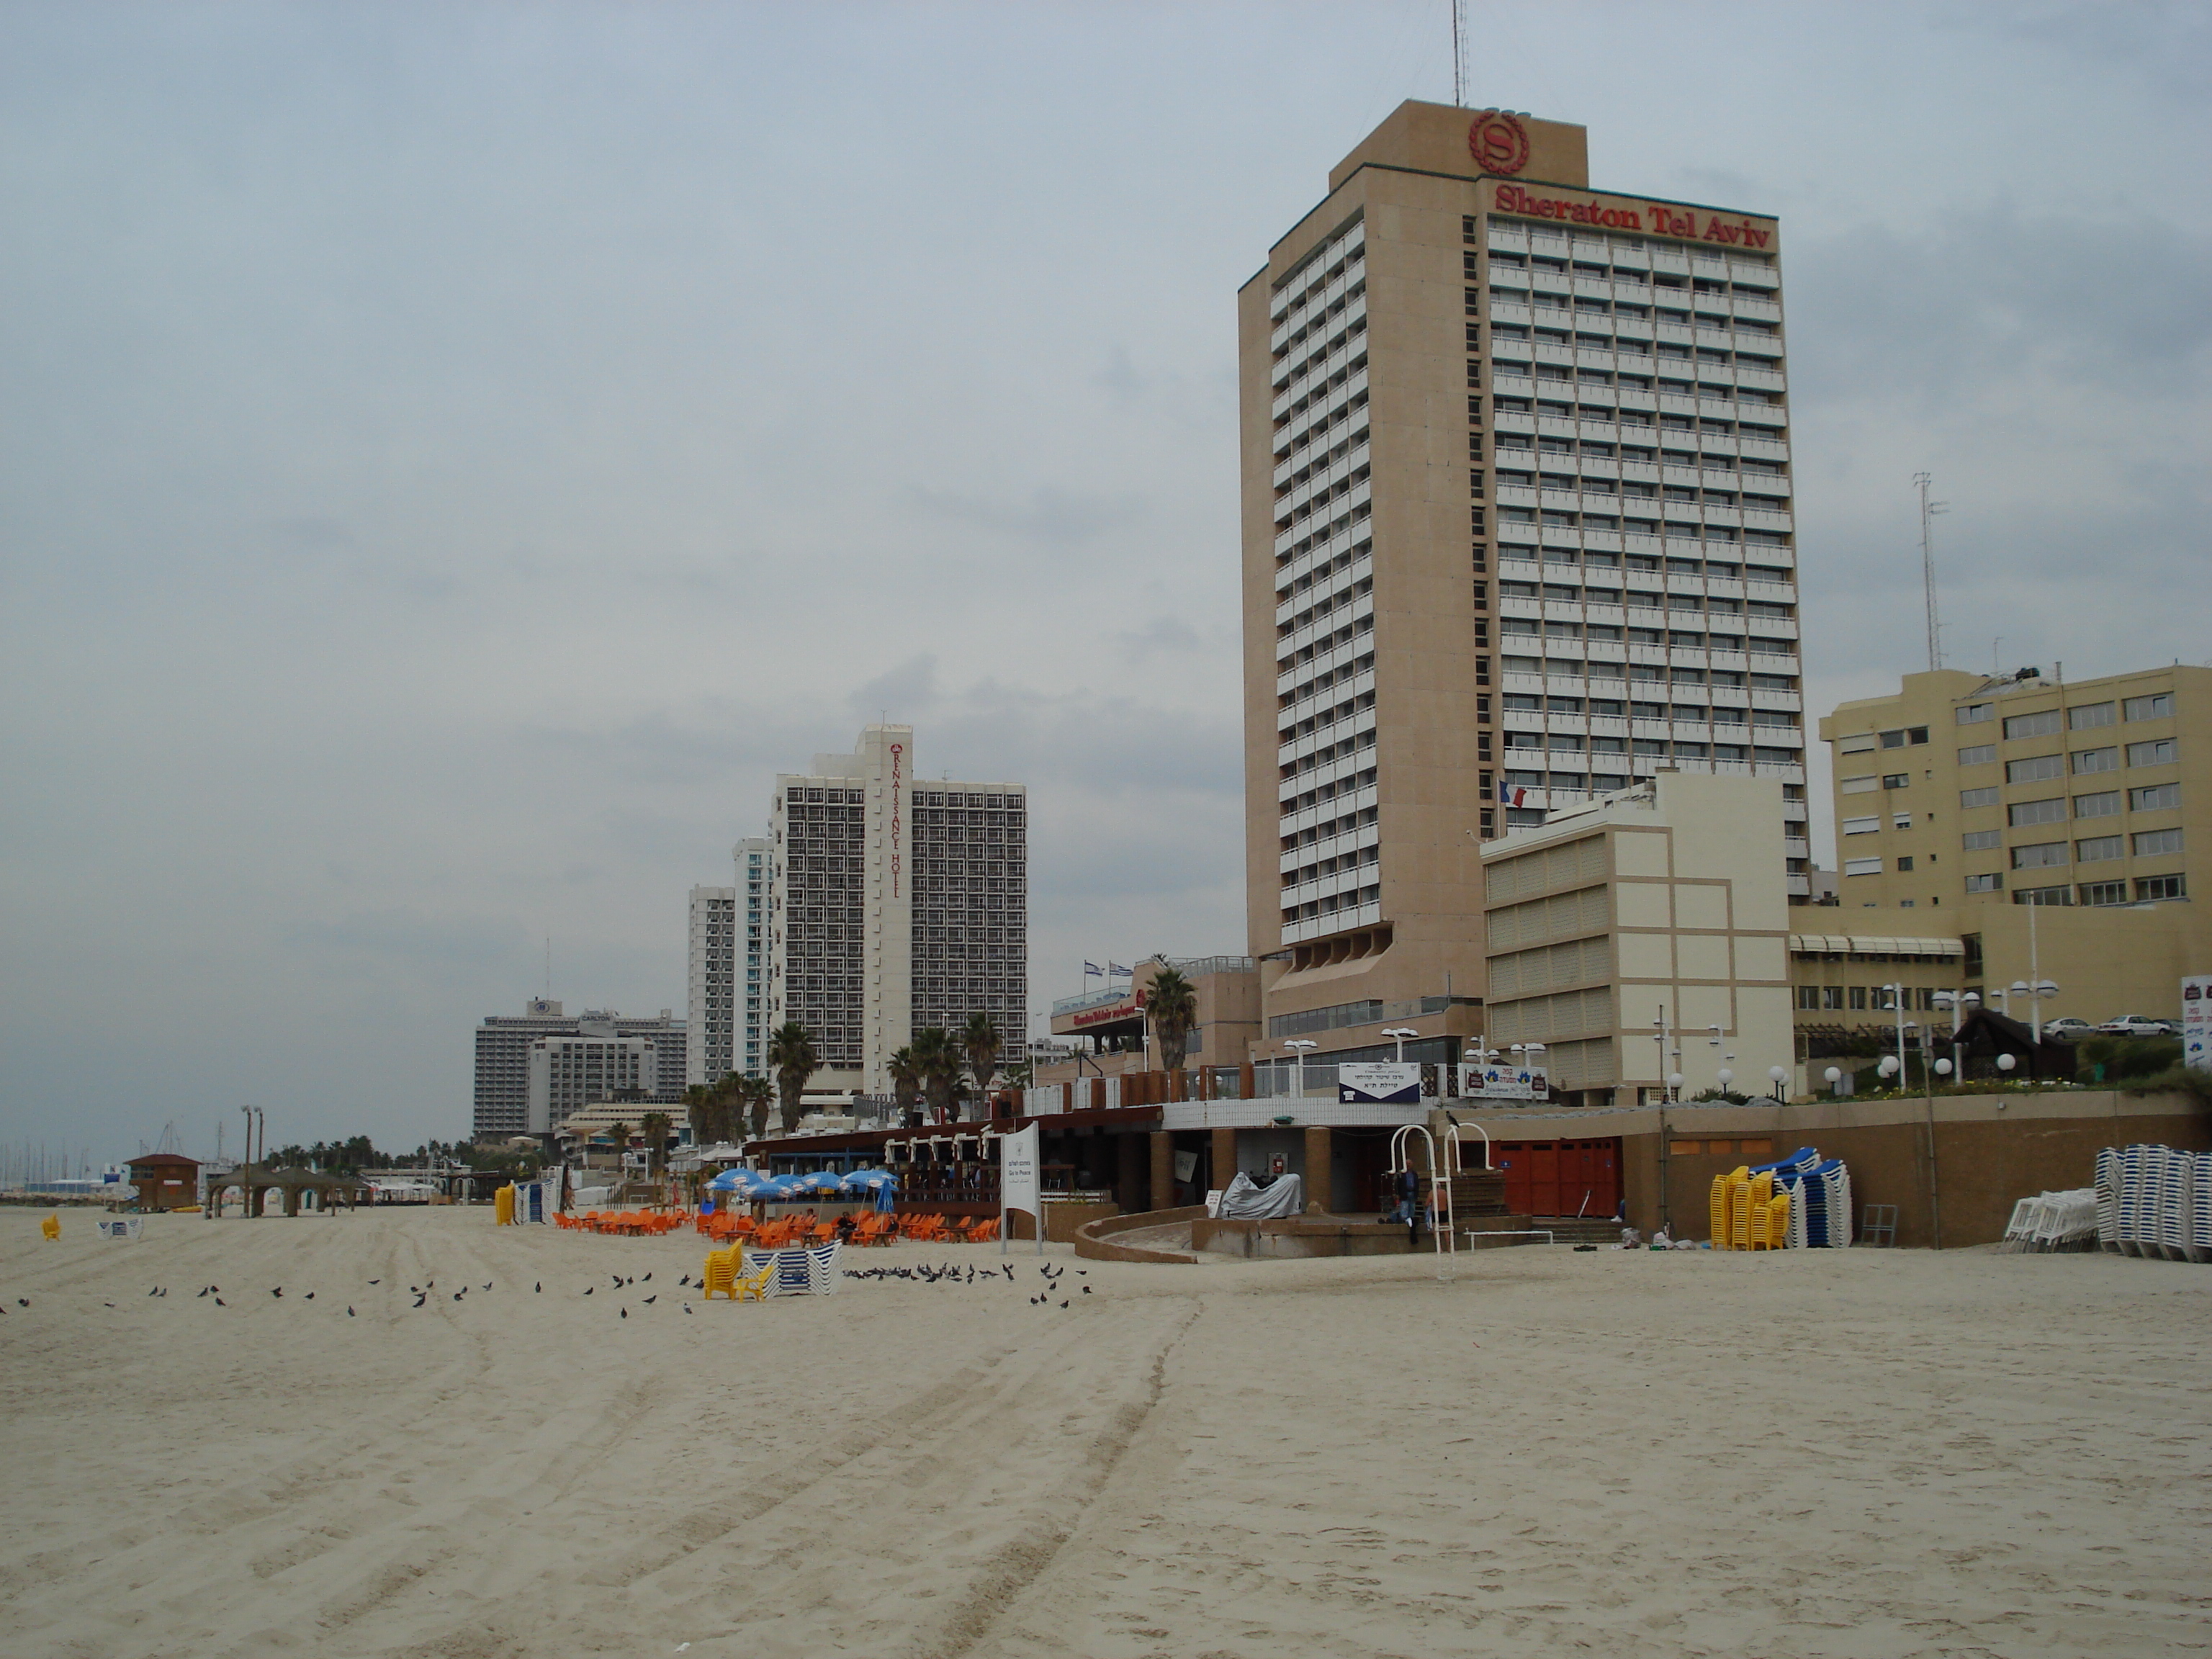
1062	1221
1989	1150
1095	1239
1309	1235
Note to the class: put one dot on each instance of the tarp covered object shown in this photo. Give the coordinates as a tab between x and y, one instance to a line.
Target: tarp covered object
1245	1199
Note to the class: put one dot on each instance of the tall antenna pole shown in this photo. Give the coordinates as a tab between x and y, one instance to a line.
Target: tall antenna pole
1459	59
1928	509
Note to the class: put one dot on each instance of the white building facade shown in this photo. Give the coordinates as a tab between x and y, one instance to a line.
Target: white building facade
897	904
504	1043
593	1063
710	1011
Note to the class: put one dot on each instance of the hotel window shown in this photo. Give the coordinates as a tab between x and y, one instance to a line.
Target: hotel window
2153	888
2089	716
1905	865
1984	883
2096	760
2104	806
1859	997
1861	867
1832	997
2035	770
1808	997
2151	707
1980	754
1861	826
1974	714
2097	849
2043	895
1897	780
2104	892
2036	812
2157	843
2157	753
2039	855
2041	724
1979	841
2152	798
1977	798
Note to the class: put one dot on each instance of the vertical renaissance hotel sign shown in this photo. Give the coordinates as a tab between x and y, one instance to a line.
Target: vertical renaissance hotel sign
898	789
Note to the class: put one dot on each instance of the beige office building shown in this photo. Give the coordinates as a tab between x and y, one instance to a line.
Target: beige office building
1644	936
1516	518
1977	799
899	902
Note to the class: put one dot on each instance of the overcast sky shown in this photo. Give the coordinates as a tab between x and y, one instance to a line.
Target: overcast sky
455	455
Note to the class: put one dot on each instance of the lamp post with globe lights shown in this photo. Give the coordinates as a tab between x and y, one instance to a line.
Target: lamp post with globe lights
1301	1044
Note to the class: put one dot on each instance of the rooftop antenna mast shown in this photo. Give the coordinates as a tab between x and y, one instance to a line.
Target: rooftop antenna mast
1459	56
1922	481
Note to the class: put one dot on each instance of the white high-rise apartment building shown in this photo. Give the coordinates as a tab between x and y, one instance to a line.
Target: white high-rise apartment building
710	1011
898	902
755	893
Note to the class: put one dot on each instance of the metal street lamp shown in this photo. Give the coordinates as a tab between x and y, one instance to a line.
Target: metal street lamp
1778	1077
1401	1032
1301	1044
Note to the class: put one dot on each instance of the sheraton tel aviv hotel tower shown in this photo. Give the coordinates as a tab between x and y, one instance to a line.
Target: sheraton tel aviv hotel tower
1517	533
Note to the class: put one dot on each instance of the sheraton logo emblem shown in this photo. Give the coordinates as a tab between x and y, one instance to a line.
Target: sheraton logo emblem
1500	142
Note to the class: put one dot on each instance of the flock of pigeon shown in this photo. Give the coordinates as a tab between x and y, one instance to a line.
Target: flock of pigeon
944	1274
953	1273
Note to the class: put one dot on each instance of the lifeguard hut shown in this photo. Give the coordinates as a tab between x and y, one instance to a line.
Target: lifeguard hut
165	1180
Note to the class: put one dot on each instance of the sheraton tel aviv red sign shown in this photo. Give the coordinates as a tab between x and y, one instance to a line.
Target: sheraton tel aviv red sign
1499	143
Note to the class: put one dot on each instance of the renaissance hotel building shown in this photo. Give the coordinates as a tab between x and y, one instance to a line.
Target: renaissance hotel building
1517	532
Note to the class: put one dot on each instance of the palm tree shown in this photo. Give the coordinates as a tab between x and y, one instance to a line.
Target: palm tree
906	1079
619	1134
937	1065
1172	1003
791	1056
657	1126
699	1112
981	1042
754	1095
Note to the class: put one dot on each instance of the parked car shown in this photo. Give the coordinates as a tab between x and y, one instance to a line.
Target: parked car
2137	1025
2068	1030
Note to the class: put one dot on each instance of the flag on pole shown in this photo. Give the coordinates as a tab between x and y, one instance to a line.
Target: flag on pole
1089	970
1114	967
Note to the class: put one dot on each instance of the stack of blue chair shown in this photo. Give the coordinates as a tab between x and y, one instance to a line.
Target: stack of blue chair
1820	1198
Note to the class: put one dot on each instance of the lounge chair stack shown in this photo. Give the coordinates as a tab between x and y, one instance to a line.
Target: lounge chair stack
1800	1202
2154	1203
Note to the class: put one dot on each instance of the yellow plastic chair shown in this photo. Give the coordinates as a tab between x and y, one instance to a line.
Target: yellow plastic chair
756	1288
721	1273
1717	1204
502	1206
52	1226
1777	1225
1739	1207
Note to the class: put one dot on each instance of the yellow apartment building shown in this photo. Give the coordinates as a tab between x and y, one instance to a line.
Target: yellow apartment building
2054	828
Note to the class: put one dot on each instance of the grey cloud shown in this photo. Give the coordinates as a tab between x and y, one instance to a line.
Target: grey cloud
1058	517
1984	298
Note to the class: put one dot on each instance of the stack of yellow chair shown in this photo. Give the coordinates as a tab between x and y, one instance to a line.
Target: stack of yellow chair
1739	1207
52	1226
721	1272
1717	1204
502	1206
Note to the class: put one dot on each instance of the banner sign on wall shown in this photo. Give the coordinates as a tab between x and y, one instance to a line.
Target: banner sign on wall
1504	1082
1381	1082
2196	1022
1017	1183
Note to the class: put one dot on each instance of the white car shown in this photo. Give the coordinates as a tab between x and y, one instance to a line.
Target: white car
2068	1030
2136	1025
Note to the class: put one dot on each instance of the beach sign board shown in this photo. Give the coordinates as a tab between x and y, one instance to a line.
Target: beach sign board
2196	1022
1019	1183
1505	1083
1383	1082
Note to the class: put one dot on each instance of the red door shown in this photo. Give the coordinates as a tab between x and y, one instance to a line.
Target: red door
1543	1178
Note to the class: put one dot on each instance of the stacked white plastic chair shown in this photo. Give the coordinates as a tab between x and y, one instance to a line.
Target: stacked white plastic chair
2155	1202
1820	1198
2108	1199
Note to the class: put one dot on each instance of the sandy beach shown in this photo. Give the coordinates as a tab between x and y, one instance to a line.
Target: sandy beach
1854	1453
